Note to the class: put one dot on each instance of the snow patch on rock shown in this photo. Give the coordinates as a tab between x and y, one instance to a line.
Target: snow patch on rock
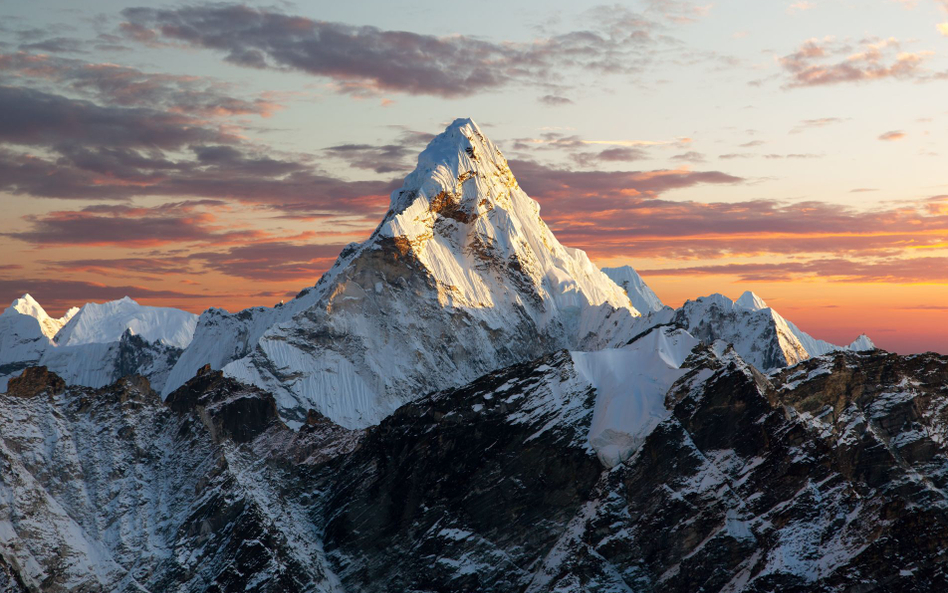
631	383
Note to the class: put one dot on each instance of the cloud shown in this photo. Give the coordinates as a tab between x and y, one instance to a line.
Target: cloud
121	85
899	270
131	227
892	135
56	45
272	262
292	188
123	266
555	100
37	118
563	185
820	122
690	157
800	7
679	11
77	149
610	214
942	28
365	60
820	62
395	157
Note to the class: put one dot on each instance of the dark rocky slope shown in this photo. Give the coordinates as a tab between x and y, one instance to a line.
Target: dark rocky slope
827	476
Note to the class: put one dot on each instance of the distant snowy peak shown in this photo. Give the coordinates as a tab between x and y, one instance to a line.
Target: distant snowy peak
100	323
761	335
27	305
750	301
642	297
862	344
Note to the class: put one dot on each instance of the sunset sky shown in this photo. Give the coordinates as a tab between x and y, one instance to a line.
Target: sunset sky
213	154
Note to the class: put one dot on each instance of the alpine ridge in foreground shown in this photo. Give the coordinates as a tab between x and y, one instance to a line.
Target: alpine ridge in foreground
463	404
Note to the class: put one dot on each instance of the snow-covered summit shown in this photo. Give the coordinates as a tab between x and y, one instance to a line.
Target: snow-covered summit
750	301
27	305
862	344
99	323
642	297
460	278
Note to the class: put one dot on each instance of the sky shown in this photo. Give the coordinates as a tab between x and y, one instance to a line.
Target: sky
214	154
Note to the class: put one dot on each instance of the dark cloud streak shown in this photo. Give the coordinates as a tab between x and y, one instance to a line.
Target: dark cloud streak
368	59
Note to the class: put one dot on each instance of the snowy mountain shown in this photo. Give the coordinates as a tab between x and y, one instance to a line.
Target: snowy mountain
461	403
461	277
22	339
758	333
639	292
27	305
95	345
100	323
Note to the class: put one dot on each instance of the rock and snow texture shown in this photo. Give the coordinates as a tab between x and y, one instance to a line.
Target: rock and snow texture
95	345
821	477
813	347
112	490
631	383
460	278
758	333
642	297
761	336
100	323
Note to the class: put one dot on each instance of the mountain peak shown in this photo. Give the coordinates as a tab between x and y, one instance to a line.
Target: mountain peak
862	343
460	277
457	155
106	322
27	305
751	301
642	297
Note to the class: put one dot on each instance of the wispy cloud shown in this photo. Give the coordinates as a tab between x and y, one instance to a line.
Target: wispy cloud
820	122
800	7
367	59
892	135
819	62
902	270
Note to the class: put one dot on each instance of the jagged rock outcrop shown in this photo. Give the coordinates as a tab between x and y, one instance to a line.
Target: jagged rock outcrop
35	380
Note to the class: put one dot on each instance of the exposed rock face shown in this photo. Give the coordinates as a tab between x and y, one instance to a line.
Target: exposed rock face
229	409
827	476
465	490
111	490
34	381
